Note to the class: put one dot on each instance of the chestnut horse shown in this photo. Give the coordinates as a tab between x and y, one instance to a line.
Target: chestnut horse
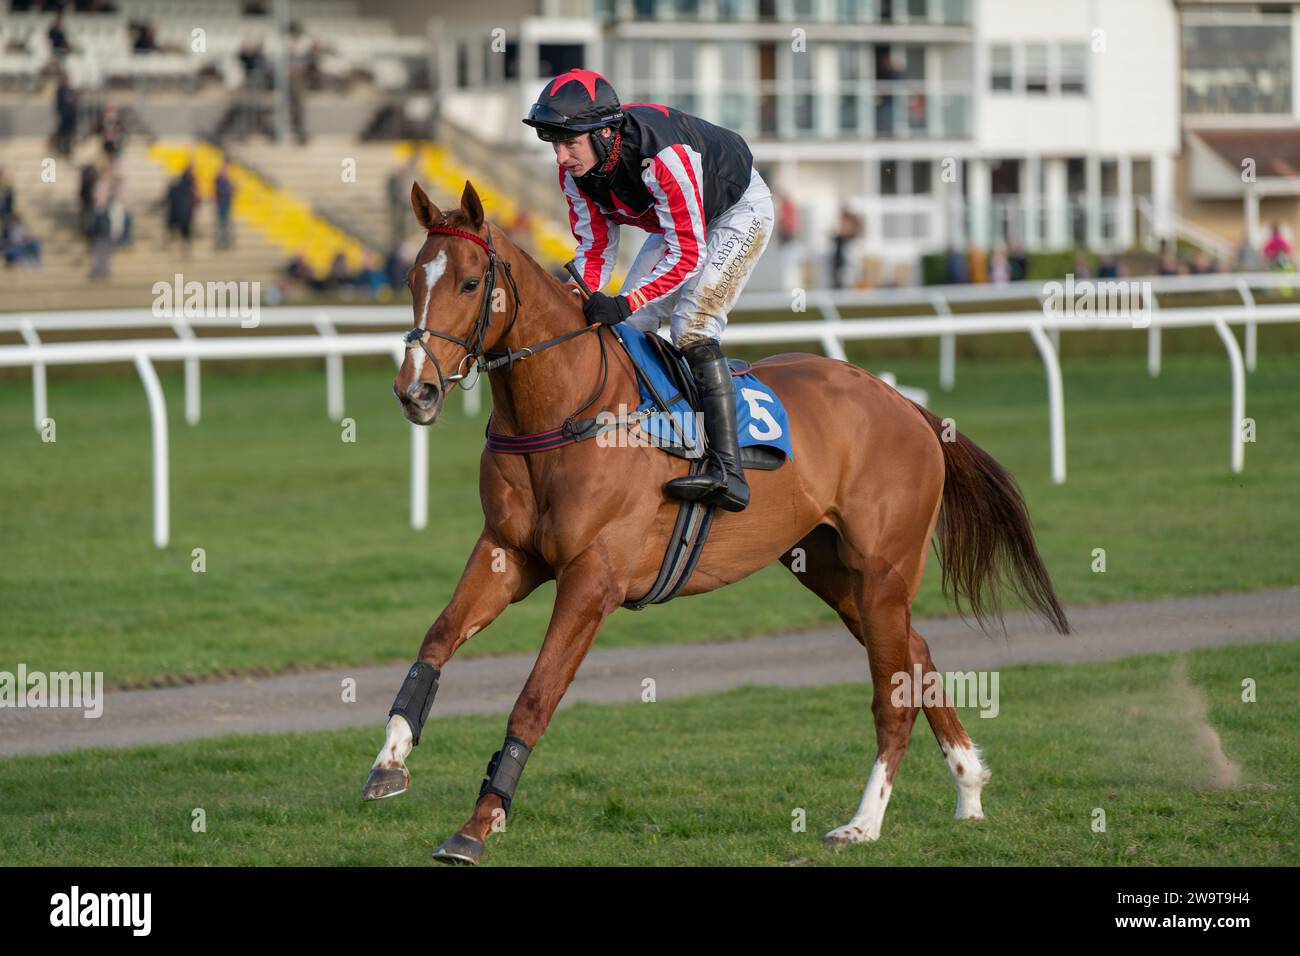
871	481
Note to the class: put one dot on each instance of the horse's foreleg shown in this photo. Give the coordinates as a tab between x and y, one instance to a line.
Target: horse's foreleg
494	577
586	594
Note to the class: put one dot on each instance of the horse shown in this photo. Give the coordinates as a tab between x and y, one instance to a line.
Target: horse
873	478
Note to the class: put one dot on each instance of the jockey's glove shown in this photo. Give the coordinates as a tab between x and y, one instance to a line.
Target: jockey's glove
606	310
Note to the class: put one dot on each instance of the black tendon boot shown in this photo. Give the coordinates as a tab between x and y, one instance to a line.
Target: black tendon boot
723	481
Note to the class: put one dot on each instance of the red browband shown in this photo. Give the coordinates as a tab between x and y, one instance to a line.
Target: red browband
448	231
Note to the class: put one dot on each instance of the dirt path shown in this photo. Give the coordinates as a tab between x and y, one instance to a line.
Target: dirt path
309	702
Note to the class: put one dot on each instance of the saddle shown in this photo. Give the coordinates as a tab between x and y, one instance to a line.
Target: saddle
756	457
671	394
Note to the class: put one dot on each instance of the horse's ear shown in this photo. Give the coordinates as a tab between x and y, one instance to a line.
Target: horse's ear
471	205
425	211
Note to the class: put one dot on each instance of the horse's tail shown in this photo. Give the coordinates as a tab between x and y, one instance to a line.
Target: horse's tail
986	543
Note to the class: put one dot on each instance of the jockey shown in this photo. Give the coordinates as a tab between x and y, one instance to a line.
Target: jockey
693	187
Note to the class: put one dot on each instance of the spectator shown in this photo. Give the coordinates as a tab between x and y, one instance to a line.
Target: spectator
257	74
1168	263
337	277
999	267
224	196
849	229
1277	247
112	134
86	196
400	261
6	199
182	197
20	246
1082	266
399	203
65	116
298	272
145	41
1247	257
101	231
1019	262
787	221
119	217
59	45
955	271
370	280
1107	267
1203	265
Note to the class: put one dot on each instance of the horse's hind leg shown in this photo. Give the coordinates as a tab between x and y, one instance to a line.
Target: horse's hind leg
879	617
886	620
963	757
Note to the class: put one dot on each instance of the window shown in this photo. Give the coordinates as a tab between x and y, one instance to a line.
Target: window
1231	68
902	178
462	66
641	59
889	176
850	63
1036	68
1000	61
556	58
1074	68
801	66
852	11
684	61
921	177
735	62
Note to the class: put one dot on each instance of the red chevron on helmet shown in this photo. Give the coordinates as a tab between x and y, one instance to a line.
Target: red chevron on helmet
574	102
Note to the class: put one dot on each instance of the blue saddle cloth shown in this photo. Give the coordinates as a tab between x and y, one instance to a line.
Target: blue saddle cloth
760	416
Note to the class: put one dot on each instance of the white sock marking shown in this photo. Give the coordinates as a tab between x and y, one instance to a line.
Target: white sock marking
866	823
969	774
397	744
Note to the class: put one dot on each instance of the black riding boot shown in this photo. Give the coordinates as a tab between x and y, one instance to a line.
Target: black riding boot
723	481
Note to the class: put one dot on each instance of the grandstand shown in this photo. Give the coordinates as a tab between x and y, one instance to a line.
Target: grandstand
312	138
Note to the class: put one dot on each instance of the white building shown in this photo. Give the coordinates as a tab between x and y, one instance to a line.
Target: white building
1047	123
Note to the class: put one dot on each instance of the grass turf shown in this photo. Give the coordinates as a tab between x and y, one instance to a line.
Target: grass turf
311	562
719	780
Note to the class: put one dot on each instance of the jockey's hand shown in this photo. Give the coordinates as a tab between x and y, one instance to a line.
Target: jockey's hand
606	310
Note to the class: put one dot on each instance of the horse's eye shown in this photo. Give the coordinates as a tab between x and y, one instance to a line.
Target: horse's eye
469	285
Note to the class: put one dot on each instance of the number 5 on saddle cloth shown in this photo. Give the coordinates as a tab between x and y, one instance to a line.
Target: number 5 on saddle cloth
666	415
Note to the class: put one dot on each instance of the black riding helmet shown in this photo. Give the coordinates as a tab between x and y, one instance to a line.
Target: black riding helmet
579	101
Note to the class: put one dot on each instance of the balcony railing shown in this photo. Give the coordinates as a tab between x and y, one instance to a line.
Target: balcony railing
893	110
883	12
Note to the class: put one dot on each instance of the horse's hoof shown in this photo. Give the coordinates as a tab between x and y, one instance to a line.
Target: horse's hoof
386	782
460	849
847	835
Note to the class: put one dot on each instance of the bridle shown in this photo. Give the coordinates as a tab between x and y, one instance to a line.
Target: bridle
476	355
